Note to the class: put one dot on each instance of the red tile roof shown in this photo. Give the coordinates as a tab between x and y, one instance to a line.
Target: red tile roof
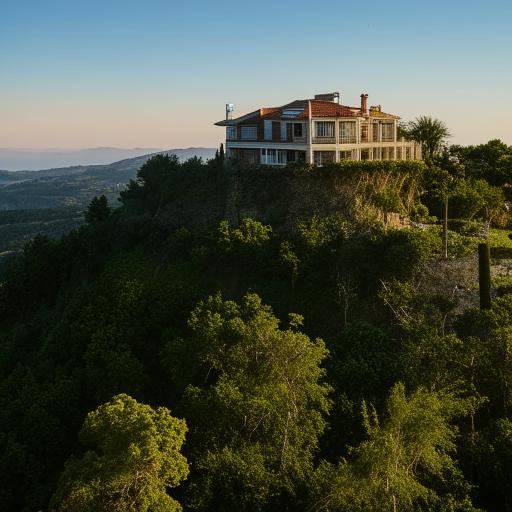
319	108
329	109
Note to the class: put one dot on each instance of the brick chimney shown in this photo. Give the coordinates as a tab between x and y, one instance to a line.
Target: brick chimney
364	104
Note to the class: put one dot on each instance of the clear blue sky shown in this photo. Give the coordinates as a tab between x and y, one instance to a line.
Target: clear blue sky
158	73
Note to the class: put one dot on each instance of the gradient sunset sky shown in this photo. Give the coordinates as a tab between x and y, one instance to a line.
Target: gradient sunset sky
149	73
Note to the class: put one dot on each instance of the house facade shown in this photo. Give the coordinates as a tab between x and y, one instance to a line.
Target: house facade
316	131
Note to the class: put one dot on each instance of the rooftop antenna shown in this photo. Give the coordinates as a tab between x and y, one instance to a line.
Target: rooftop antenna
230	108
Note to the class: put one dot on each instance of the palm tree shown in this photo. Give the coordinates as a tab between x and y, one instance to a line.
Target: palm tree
430	133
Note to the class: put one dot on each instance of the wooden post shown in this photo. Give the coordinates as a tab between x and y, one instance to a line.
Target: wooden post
484	275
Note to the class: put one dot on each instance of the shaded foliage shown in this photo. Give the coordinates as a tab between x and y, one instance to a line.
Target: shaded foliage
182	297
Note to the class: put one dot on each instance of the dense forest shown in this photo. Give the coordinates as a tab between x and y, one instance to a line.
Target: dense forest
266	339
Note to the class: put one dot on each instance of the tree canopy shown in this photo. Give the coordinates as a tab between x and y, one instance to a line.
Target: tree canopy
132	456
430	133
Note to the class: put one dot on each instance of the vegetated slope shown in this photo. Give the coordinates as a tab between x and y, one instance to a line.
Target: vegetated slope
18	227
75	186
404	402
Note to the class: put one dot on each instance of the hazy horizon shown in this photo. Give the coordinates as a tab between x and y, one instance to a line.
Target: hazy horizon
33	159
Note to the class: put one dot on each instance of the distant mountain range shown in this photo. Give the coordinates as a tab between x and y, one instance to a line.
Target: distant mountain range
75	186
35	159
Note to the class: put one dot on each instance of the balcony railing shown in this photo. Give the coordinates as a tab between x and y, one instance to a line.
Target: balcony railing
324	140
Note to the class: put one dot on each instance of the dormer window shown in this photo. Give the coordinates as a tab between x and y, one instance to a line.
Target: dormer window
292	112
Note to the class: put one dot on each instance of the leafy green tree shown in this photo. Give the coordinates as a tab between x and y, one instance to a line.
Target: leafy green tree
98	210
318	232
250	234
396	468
491	161
430	133
261	389
149	191
133	456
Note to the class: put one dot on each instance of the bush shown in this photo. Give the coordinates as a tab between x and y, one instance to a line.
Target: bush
466	227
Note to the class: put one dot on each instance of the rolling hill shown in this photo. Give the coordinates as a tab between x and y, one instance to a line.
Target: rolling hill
75	186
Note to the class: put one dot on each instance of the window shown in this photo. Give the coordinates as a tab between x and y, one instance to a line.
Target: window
273	156
408	155
387	153
388	132
375	130
248	133
230	132
267	129
283	131
376	154
365	154
292	112
399	153
248	156
348	132
323	157
297	130
345	155
364	132
324	129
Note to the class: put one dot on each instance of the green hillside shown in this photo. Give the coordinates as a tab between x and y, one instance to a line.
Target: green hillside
260	339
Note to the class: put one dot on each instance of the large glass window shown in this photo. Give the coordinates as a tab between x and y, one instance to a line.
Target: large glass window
324	129
345	155
348	132
324	157
388	132
387	153
249	133
298	130
273	156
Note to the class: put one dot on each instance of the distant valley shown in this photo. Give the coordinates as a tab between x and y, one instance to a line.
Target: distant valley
51	201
